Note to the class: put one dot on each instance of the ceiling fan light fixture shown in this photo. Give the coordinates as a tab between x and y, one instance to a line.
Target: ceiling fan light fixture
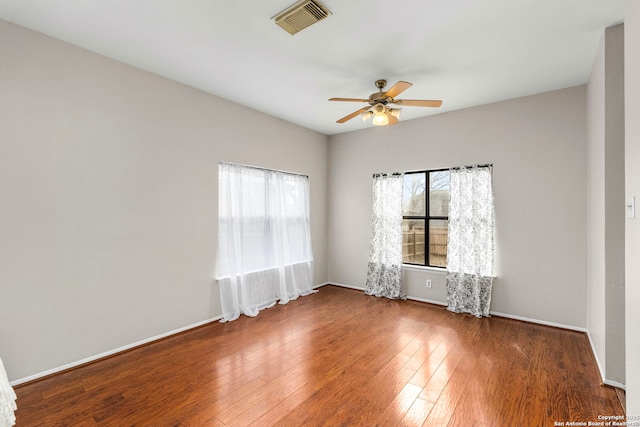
366	115
395	112
380	115
379	108
380	119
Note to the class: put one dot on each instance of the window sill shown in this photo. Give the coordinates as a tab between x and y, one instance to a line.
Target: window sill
442	271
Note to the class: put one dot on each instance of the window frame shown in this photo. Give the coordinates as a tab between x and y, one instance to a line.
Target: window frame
427	217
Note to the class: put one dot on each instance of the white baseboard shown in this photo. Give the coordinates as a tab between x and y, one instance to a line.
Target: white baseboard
321	285
600	369
539	322
109	353
428	301
342	285
511	316
615	384
595	355
361	288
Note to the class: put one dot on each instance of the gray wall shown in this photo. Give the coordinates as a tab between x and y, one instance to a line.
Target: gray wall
108	199
605	205
537	145
632	188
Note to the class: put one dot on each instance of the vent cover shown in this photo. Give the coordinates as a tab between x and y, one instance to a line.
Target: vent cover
301	15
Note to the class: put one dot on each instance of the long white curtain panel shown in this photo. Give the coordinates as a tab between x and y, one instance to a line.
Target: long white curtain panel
470	251
264	239
384	275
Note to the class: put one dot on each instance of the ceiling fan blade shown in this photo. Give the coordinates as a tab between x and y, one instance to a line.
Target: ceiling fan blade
392	119
349	99
418	102
352	115
397	89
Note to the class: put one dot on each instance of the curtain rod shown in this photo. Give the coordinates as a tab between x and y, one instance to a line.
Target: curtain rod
263	169
487	165
375	175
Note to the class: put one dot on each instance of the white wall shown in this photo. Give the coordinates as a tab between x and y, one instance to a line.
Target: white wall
632	188
596	313
108	199
614	207
537	145
605	206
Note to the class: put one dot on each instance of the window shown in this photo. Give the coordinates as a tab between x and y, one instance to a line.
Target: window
425	218
264	214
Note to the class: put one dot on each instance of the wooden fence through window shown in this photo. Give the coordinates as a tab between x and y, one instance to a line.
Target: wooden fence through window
413	245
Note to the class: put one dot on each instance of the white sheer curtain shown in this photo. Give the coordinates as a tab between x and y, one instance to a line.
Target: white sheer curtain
470	248
384	275
264	239
7	400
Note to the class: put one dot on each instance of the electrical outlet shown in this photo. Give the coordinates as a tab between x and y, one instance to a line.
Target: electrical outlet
428	283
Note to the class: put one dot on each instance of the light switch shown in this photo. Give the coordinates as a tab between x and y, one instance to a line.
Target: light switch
631	207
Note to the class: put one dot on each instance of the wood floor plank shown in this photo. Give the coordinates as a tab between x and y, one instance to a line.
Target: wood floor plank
336	357
417	414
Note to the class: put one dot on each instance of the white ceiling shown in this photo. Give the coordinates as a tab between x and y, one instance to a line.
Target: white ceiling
465	52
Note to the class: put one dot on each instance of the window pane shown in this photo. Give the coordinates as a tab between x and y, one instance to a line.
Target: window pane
413	241
438	238
439	193
413	194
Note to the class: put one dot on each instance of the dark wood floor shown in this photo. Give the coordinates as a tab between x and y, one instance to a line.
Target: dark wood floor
335	358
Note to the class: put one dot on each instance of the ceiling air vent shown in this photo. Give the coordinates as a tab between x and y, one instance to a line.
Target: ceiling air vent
301	15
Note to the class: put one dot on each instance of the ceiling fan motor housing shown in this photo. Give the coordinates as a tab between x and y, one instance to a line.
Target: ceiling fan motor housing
379	98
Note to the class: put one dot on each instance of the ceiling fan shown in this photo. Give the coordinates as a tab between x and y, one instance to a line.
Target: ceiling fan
379	104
